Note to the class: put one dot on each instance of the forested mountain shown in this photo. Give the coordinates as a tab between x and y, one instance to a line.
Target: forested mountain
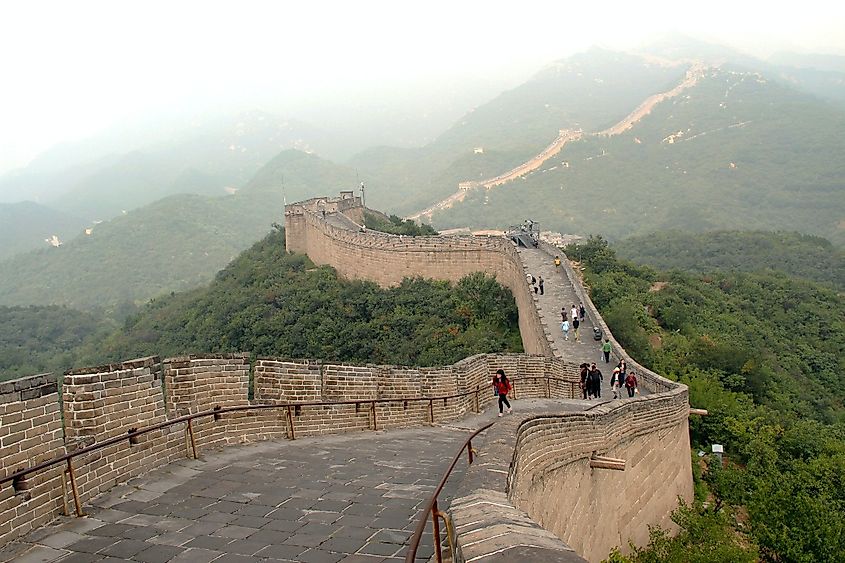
763	353
590	90
174	244
794	254
207	157
45	339
26	225
272	303
735	151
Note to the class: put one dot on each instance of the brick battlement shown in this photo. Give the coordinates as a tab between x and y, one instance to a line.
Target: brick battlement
108	401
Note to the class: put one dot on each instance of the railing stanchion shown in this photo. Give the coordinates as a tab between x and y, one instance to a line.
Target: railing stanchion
431	410
65	508
73	488
191	437
477	409
373	408
548	389
513	388
290	423
436	524
469	450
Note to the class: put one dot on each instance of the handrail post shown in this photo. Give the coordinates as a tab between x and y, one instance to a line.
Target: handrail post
431	410
469	450
290	422
373	408
436	524
548	389
73	488
513	387
477	409
191	436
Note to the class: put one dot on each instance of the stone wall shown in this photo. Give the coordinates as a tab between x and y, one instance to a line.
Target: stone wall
594	510
106	402
388	259
30	433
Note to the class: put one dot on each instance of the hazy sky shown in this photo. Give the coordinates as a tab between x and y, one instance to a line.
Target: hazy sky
70	69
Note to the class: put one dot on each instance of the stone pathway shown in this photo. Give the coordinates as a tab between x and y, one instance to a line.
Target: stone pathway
559	293
351	497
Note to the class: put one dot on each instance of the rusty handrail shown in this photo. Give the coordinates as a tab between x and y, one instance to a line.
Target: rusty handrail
216	413
431	506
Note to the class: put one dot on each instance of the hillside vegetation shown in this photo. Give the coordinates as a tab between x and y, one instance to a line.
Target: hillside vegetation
590	90
764	353
45	339
25	226
271	303
794	254
747	153
174	244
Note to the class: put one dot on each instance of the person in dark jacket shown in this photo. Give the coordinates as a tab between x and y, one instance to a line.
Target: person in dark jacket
594	379
502	387
584	369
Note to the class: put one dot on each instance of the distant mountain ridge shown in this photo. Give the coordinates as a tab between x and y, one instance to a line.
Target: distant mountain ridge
739	150
205	158
173	244
26	226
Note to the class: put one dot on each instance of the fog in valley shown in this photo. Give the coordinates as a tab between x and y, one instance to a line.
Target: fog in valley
102	77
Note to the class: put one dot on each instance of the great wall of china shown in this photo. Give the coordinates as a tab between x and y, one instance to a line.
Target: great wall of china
693	74
537	490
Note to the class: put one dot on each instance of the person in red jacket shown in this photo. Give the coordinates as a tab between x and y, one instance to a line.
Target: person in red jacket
631	384
502	387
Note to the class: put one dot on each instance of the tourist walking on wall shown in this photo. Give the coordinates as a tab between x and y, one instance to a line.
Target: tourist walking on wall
582	312
605	349
631	384
541	285
575	325
557	261
562	314
573	312
584	371
502	387
616	383
564	328
594	379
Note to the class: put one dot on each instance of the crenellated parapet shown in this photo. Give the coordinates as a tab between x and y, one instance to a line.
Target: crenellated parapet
106	402
387	259
554	476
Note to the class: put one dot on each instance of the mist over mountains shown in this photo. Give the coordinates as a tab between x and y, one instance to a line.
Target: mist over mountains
750	145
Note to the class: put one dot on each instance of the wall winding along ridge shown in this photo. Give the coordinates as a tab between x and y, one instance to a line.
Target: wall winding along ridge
549	476
388	259
546	457
107	401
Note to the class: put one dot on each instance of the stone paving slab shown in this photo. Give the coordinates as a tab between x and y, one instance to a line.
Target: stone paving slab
350	497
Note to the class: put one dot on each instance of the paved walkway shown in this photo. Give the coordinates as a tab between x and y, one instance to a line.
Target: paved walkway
351	497
558	293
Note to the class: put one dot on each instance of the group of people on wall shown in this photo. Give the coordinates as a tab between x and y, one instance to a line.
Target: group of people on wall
592	378
591	382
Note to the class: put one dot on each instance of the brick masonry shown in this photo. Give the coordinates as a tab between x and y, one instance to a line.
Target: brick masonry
549	452
30	433
106	402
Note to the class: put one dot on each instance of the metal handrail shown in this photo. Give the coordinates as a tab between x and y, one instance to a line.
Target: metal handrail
131	435
431	507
